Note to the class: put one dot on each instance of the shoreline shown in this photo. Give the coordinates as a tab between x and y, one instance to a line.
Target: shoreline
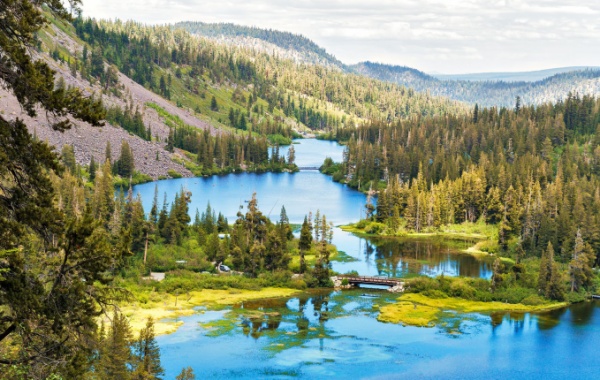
414	309
474	250
166	308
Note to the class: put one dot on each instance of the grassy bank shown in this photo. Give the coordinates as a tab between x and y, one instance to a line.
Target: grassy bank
162	305
486	235
420	310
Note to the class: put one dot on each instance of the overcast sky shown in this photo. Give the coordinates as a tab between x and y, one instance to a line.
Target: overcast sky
442	36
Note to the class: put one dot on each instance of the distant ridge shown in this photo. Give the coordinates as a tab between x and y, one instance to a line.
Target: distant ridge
524	76
487	89
310	51
490	92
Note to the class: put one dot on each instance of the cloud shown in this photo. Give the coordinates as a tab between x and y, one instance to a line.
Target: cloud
477	33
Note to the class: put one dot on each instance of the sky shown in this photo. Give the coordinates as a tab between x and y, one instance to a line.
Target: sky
435	36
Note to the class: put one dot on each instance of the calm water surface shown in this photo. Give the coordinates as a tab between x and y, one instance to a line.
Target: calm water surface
336	334
308	191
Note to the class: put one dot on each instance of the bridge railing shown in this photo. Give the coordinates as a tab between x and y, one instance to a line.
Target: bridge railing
370	279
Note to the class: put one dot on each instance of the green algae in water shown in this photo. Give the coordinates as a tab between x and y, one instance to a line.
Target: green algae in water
219	327
343	257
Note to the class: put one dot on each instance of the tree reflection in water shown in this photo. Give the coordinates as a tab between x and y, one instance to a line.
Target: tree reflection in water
404	257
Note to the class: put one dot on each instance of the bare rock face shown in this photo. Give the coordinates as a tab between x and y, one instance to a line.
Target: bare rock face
150	158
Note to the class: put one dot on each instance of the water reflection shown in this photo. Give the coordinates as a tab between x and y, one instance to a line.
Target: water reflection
335	334
406	257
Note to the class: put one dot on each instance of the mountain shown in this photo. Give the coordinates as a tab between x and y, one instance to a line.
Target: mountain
486	89
286	45
525	76
188	105
488	92
168	91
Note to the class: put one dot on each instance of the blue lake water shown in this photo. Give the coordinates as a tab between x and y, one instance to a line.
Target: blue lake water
309	191
293	340
336	334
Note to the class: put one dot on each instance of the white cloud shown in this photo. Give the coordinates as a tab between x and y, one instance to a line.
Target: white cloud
478	35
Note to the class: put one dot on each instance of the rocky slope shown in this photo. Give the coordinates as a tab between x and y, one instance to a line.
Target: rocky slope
151	158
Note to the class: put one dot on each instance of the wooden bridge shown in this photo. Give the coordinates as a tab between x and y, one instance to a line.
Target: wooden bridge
308	168
368	280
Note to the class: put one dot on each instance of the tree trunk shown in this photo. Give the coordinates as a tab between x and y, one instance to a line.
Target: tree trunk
146	248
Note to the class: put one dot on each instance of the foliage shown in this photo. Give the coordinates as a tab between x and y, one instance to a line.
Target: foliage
120	356
55	267
533	173
223	153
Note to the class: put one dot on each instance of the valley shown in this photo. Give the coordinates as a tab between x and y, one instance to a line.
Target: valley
177	199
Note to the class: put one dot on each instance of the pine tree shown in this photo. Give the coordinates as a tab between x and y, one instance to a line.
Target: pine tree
283	226
147	355
108	152
580	267
115	357
322	265
275	255
222	224
497	278
305	243
125	164
546	267
556	287
186	374
97	63
93	167
103	201
317	226
154	209
291	155
68	158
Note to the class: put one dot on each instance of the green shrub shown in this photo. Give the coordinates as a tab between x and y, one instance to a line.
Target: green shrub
361	224
375	228
279	139
434	293
533	300
174	174
461	290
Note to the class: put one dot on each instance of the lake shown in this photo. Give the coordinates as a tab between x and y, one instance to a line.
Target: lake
309	191
335	334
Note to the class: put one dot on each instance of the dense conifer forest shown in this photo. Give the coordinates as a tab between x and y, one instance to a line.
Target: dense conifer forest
531	171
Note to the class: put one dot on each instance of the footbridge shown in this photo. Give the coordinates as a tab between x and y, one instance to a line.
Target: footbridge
302	168
393	283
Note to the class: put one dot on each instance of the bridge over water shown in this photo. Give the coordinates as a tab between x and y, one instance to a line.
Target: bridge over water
302	168
392	283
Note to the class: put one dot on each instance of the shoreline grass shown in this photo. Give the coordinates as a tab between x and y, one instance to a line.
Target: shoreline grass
485	234
166	308
419	310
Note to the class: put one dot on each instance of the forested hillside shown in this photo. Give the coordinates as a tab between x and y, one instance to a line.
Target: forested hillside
533	171
269	92
552	86
488	93
520	76
306	51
